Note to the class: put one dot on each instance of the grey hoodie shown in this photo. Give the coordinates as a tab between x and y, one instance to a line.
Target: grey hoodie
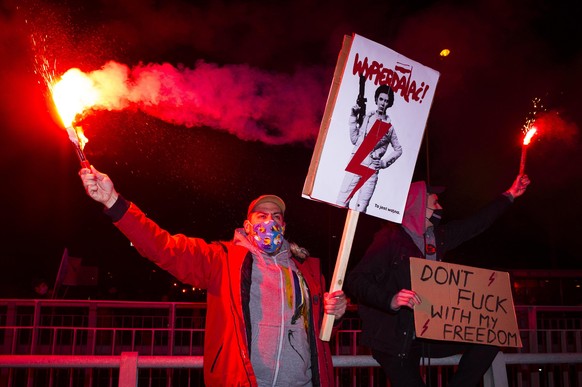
280	352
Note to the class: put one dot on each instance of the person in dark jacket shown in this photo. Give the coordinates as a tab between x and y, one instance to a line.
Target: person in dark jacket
380	283
265	296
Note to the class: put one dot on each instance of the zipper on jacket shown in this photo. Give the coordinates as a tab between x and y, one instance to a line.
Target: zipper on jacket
282	331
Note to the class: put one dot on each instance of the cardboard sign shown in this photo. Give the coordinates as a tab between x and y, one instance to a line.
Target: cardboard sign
366	149
463	303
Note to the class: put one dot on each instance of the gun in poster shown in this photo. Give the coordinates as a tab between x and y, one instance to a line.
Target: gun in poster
350	170
361	101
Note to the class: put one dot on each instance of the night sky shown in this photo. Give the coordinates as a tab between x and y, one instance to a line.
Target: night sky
194	169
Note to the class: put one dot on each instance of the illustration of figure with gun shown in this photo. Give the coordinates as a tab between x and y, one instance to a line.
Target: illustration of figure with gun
360	126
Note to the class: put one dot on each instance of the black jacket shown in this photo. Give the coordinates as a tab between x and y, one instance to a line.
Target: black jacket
385	270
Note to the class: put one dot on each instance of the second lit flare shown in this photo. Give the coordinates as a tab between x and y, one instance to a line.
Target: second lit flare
526	140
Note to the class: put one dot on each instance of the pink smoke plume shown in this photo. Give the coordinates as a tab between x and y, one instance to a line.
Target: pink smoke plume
552	125
248	103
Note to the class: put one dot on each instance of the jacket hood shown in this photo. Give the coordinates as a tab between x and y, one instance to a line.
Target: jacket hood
414	218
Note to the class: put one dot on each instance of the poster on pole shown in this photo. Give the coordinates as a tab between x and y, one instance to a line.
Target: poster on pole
371	130
463	303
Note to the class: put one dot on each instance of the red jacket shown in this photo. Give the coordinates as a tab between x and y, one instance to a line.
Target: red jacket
219	268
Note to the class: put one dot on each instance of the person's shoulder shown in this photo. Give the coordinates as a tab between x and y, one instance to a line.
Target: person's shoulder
389	229
227	246
310	267
384	238
313	260
308	260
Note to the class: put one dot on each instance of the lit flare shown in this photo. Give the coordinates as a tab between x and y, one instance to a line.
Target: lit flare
72	95
526	140
528	136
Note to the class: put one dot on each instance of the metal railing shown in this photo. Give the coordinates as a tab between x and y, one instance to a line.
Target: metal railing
129	363
169	334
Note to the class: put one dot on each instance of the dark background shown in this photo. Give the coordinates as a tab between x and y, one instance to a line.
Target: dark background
198	180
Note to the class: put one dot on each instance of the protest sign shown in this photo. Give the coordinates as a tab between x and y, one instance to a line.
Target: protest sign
463	303
371	130
359	153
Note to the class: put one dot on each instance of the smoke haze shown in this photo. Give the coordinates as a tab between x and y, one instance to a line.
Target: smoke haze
249	103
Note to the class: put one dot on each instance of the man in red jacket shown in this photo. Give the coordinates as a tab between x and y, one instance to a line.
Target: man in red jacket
265	296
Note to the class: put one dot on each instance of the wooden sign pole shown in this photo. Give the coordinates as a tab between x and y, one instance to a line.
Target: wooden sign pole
339	272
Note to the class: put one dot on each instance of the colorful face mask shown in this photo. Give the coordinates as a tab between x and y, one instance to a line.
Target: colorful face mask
268	236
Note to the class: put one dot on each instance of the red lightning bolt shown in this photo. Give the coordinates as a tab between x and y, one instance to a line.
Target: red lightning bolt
379	130
424	327
491	279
